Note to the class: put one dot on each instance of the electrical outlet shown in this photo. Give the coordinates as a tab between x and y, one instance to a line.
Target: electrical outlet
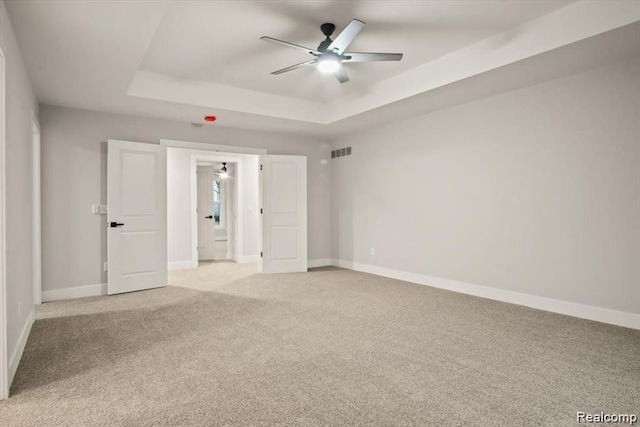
373	251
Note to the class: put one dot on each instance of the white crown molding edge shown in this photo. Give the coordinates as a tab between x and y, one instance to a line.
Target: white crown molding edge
562	27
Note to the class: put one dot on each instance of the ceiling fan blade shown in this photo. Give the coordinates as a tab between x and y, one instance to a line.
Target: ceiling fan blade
341	75
347	35
366	57
293	67
291	45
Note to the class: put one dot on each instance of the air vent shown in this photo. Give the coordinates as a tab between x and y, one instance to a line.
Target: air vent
341	152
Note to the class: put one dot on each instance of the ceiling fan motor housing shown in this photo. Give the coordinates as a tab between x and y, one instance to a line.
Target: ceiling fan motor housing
327	30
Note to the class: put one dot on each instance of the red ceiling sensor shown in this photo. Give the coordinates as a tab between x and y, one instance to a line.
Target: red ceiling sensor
210	119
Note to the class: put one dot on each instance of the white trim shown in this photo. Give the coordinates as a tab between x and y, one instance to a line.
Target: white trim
36	248
74	292
4	360
222	225
239	199
314	263
183	265
244	259
204	146
599	314
22	343
230	256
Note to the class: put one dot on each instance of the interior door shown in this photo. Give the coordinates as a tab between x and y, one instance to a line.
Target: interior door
137	218
284	213
231	220
206	220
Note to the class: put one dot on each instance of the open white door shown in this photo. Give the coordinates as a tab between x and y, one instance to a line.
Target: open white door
206	221
284	213
137	224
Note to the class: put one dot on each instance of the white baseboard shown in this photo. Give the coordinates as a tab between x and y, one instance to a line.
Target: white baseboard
14	361
75	292
248	258
182	265
230	255
599	314
313	263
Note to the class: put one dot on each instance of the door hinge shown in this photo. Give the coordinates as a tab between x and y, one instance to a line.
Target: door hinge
260	167
260	210
261	255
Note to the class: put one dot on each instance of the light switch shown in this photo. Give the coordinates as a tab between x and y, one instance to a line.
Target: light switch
99	209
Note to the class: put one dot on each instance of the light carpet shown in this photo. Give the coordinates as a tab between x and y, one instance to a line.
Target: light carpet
329	347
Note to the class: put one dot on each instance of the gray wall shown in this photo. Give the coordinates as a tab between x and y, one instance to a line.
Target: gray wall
74	162
20	108
535	191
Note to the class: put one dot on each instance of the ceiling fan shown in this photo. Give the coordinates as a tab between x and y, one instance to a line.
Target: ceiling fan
223	173
331	54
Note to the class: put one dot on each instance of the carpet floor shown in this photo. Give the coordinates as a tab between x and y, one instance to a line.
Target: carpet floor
225	346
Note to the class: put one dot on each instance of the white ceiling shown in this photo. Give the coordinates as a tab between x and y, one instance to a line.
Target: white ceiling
181	60
219	41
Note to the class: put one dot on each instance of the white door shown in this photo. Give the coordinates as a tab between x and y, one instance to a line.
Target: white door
137	219
231	217
283	183
206	220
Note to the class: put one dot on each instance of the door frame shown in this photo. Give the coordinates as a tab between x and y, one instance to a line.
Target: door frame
4	359
37	222
205	146
237	229
235	152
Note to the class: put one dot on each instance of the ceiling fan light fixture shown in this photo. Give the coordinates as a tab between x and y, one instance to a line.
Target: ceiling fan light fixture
223	171
331	53
328	65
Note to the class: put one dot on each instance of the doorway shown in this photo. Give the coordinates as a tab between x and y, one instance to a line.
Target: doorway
213	215
153	216
216	209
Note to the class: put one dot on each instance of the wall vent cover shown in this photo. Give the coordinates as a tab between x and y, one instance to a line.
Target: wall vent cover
341	152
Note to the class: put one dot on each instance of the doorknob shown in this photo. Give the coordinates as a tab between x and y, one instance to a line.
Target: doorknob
116	224
208	217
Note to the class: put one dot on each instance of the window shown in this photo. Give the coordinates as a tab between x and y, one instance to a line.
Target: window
218	203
